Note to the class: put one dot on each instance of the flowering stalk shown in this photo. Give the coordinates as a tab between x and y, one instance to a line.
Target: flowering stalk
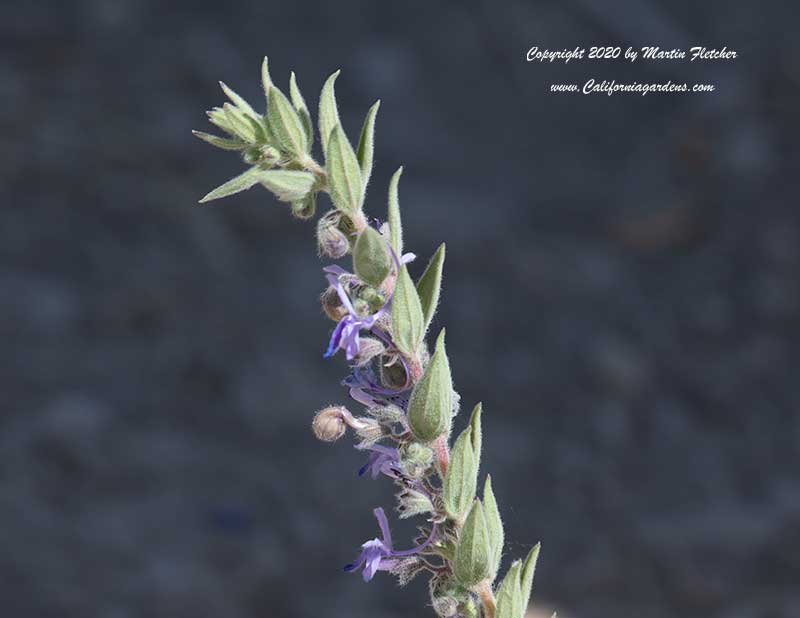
382	318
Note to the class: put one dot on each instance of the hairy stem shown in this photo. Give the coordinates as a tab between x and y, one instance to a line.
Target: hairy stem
486	595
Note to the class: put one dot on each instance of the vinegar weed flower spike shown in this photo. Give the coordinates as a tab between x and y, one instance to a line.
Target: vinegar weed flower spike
382	317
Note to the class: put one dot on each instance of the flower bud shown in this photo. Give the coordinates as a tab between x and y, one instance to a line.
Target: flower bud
305	208
393	373
472	562
371	259
331	241
332	304
416	458
330	423
430	408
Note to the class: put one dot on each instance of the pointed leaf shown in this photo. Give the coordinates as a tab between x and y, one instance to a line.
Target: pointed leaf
344	175
285	123
477	431
235	185
266	80
366	144
328	112
218	118
239	102
220	142
460	482
528	571
430	284
302	110
430	407
494	524
371	259
407	317
288	185
471	562
509	595
238	122
395	227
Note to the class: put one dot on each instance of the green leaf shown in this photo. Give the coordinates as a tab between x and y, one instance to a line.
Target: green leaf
344	175
238	122
461	480
494	524
266	80
471	562
429	285
395	227
328	112
220	142
235	185
287	185
509	594
371	259
302	110
477	431
286	124
239	102
430	407
366	144
528	571
218	118
407	317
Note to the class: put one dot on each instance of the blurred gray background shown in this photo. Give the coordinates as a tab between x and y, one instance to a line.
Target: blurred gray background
622	293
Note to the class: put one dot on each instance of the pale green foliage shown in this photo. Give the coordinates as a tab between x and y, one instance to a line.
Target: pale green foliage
302	110
287	186
286	124
430	284
235	185
328	112
371	259
509	596
458	490
344	173
277	147
239	102
220	142
461	481
528	571
366	144
472	561
494	525
430	407
407	318
395	227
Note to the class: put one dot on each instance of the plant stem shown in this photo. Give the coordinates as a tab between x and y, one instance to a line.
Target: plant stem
484	590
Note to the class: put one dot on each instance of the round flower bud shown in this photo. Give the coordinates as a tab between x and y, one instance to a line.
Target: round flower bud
332	304
331	241
330	423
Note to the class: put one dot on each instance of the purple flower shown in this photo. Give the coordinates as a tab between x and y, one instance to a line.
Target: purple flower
382	460
347	331
378	554
346	335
